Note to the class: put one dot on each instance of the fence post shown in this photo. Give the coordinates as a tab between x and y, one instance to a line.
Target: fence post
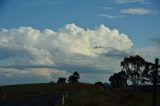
155	74
66	95
5	95
41	92
82	92
63	100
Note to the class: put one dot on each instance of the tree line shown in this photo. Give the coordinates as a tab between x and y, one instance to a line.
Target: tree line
72	79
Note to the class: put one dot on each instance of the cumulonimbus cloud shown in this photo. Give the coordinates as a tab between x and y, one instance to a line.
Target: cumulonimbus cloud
70	39
69	48
34	55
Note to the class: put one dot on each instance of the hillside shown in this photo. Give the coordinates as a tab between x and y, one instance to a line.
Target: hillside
49	94
42	89
110	97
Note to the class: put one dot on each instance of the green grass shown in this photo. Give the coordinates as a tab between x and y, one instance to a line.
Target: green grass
110	97
20	91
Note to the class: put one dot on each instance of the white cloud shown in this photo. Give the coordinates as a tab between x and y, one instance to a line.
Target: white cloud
14	76
127	1
110	16
39	56
71	48
36	56
149	53
136	11
70	39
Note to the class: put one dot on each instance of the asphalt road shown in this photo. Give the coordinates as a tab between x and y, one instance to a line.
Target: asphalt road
33	101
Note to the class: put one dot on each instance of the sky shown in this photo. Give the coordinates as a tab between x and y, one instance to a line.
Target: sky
42	40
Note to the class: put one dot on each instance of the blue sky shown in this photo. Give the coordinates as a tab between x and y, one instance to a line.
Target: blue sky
25	24
54	14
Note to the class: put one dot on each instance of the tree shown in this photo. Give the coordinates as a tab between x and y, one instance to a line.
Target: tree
118	79
133	66
148	73
113	80
74	78
123	78
51	82
76	75
61	80
100	84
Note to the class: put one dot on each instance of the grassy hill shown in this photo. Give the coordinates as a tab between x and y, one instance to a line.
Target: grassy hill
110	97
20	91
84	94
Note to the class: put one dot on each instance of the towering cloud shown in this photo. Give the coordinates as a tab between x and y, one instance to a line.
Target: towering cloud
70	39
70	48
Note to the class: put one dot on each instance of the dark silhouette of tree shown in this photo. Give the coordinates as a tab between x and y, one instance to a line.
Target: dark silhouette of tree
135	69
123	78
51	82
113	80
61	80
76	75
133	66
149	72
119	79
74	78
100	84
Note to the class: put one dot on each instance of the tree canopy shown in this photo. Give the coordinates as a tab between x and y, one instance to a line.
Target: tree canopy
74	78
133	66
61	80
119	79
134	69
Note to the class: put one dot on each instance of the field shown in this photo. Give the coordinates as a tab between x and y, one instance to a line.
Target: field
43	89
110	97
79	94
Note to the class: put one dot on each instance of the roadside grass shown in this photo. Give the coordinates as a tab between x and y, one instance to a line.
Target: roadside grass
83	94
85	98
110	97
25	90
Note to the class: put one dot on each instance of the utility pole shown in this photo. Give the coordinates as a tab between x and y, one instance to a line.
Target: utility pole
155	75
